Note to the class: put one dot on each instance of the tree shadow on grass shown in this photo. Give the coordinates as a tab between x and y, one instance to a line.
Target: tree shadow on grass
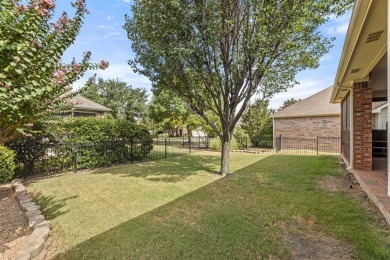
231	218
173	169
50	205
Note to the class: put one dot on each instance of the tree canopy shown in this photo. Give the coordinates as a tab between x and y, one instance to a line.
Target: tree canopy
124	101
217	54
257	121
288	102
32	77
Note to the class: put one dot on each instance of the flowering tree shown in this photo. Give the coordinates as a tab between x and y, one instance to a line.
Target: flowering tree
33	79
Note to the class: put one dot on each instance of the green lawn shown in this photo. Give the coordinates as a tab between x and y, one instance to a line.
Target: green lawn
177	208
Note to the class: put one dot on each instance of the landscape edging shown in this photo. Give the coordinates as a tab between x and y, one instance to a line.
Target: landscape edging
36	221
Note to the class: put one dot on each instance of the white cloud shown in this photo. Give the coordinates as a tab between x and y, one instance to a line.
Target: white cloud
126	1
306	88
119	71
105	27
338	29
110	18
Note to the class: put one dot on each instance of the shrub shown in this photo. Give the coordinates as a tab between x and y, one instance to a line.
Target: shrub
89	141
242	137
7	164
215	144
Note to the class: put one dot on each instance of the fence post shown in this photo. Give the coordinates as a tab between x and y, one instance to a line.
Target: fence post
131	151
280	142
75	156
183	140
189	144
317	144
165	148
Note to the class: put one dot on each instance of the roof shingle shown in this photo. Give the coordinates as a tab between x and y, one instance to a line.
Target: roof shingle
315	105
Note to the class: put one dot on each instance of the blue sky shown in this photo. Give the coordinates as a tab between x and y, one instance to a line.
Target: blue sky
103	35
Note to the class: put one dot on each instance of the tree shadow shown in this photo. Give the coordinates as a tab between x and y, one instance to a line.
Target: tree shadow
51	206
172	169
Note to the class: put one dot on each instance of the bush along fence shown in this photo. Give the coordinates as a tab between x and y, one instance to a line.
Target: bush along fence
55	158
301	146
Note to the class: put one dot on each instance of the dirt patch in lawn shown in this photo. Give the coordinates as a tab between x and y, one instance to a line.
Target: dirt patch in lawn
348	184
306	241
14	230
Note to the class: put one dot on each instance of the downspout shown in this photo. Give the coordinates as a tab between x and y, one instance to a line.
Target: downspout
351	145
388	95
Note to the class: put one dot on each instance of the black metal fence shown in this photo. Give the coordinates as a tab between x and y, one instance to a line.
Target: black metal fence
58	158
55	158
300	146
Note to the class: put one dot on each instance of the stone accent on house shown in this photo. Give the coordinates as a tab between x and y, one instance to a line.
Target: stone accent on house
35	248
362	126
307	127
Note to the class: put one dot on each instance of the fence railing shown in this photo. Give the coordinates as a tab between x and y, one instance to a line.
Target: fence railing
301	146
57	158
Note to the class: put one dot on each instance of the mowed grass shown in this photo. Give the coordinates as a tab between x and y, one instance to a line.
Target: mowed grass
86	204
178	209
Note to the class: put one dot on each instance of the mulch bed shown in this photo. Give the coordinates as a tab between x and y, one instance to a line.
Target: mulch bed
14	230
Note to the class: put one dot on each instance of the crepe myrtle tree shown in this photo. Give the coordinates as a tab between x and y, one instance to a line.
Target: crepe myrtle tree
33	79
217	54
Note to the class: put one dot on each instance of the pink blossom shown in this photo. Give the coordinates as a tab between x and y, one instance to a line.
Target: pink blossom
103	64
76	68
30	125
38	44
5	85
48	4
87	11
50	110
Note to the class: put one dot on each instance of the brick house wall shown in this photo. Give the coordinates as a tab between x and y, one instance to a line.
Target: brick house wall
307	127
362	126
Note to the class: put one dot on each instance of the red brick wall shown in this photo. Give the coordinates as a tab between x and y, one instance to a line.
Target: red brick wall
362	126
307	127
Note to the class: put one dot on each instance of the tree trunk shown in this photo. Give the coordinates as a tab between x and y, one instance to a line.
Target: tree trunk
225	156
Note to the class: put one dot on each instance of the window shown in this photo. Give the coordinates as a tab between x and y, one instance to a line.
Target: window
346	113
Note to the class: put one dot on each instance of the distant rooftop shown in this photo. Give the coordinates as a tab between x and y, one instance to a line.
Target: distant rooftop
83	103
315	105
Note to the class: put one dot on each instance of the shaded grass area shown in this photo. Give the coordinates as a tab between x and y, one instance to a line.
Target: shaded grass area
245	215
86	204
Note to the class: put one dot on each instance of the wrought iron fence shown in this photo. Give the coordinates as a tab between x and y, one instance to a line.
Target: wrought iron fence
301	146
55	158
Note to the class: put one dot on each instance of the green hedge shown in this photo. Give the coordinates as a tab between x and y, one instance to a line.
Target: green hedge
92	142
7	164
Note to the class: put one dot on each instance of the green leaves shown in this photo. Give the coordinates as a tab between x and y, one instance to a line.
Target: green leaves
30	52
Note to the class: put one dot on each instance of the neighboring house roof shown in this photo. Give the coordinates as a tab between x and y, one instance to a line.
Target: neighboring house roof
315	105
83	103
378	106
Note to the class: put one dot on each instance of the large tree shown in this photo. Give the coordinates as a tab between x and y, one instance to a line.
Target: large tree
216	54
32	77
123	100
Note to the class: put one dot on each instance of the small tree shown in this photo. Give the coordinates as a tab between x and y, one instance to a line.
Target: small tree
257	122
32	77
216	54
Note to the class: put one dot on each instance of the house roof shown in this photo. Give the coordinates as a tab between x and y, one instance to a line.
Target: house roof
378	106
83	103
365	44
315	105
